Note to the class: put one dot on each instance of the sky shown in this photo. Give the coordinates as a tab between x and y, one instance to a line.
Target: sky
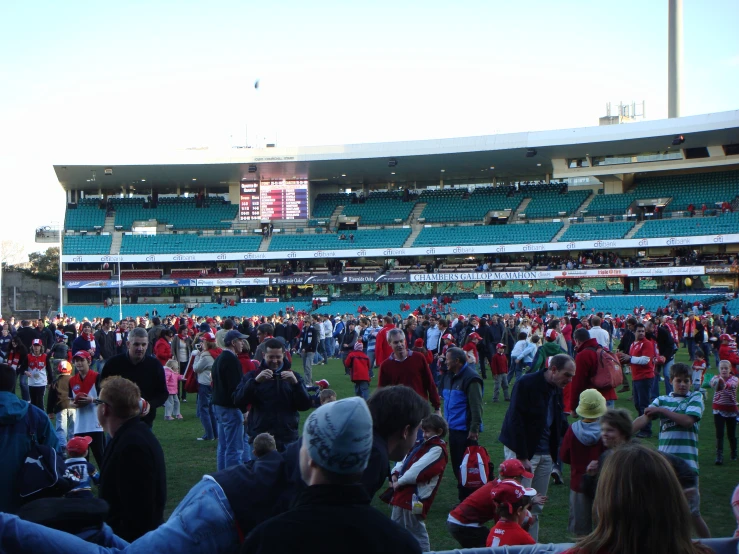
85	80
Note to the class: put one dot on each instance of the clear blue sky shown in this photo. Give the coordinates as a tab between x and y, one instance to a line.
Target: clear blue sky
82	80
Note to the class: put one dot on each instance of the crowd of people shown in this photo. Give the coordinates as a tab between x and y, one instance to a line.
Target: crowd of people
95	387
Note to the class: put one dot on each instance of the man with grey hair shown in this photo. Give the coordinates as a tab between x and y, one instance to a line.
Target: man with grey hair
408	368
535	423
461	390
146	371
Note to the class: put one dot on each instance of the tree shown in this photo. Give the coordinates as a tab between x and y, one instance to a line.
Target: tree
12	253
45	264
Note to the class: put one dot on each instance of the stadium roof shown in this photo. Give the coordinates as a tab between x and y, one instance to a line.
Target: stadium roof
422	160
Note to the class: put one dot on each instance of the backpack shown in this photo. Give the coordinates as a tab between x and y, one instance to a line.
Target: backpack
608	372
474	471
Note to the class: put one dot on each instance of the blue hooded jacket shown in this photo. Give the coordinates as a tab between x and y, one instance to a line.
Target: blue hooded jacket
18	419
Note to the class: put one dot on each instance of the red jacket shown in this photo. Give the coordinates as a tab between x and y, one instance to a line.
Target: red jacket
358	362
724	353
247	364
382	347
429	475
162	351
586	364
499	364
640	348
412	372
578	455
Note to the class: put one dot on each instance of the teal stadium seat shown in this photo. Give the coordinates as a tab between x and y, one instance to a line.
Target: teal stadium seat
325	204
695	188
85	217
181	213
369	238
188	244
381	208
552	203
611	204
596	231
86	244
444	206
689	226
518	233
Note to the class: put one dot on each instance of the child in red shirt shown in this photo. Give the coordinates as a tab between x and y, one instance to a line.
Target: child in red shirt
499	370
470	347
513	501
699	369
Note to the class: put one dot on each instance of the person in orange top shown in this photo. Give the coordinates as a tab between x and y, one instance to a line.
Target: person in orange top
513	501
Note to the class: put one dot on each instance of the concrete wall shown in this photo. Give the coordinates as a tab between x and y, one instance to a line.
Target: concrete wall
24	292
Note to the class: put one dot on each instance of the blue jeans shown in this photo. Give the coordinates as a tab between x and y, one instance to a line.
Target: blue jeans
25	391
361	388
230	436
329	346
206	413
202	523
371	356
64	425
516	369
642	398
668	383
691	345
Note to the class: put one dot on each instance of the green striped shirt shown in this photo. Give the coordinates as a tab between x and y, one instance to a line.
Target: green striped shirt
681	441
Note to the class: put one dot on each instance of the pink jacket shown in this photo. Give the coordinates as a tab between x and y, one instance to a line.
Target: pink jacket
171	378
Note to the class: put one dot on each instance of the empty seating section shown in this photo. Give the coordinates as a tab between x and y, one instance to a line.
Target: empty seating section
378	306
552	203
85	275
188	244
596	231
325	203
181	213
488	234
245	310
611	204
689	226
131	274
381	208
188	273
369	238
85	217
451	205
89	311
86	244
696	189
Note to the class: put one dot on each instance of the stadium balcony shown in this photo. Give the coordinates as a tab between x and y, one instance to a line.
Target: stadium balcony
689	226
326	203
596	231
85	275
135	274
553	203
381	208
488	234
188	273
366	238
87	216
181	213
86	244
188	244
694	188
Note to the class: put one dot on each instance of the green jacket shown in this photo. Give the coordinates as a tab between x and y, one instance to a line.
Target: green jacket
547	350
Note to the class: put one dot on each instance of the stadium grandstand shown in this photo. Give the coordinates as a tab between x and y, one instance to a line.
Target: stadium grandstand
604	211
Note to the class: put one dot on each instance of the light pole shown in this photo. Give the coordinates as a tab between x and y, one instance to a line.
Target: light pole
120	294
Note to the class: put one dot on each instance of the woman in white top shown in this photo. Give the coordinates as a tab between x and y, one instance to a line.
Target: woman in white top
202	364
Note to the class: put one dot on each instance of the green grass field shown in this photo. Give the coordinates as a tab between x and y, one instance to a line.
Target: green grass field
188	459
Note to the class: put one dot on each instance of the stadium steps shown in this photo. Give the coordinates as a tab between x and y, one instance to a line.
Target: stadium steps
585	204
565	226
521	210
635	230
416	213
333	222
264	245
109	225
416	231
115	243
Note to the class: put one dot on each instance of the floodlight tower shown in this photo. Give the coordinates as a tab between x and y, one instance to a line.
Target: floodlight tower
674	56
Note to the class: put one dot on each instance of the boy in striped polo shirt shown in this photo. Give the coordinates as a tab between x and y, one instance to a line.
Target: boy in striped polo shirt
679	413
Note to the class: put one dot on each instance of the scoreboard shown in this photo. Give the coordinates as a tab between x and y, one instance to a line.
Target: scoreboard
284	199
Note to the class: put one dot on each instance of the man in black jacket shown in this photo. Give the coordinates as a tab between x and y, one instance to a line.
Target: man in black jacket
276	395
627	339
145	371
27	334
133	479
666	346
334	453
535	423
105	344
226	375
308	347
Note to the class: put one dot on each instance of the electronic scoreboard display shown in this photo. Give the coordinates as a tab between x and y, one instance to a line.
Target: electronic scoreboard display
249	201
283	199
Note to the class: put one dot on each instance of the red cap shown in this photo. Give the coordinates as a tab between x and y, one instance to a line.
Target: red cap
65	368
418	342
725	337
500	345
461	318
37	341
210	337
84	354
323	384
551	335
475	336
514	468
448	337
510	492
574	314
360	346
77	446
